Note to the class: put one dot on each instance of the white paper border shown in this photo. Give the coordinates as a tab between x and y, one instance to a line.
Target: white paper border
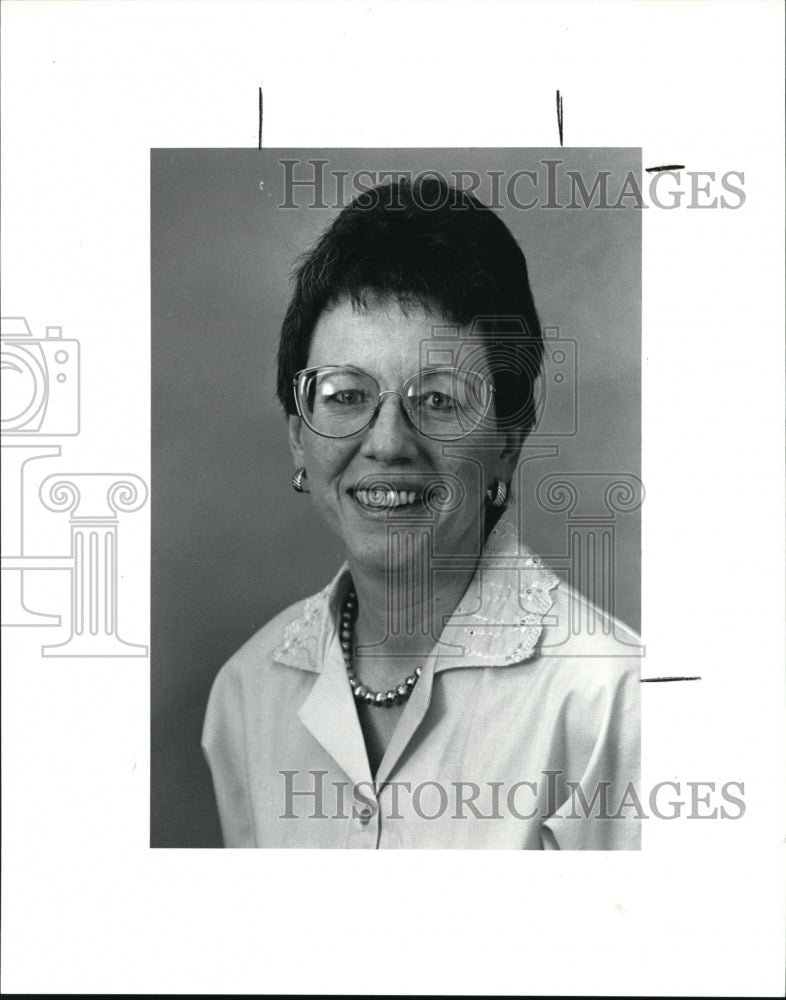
88	88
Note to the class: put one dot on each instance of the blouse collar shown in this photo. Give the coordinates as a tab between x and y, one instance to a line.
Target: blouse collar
498	622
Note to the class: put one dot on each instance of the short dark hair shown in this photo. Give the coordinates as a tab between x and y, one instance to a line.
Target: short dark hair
435	246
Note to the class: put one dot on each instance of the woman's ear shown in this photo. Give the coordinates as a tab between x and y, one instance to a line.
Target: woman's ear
509	454
296	439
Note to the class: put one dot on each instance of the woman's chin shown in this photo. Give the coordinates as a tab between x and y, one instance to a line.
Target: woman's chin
381	544
387	554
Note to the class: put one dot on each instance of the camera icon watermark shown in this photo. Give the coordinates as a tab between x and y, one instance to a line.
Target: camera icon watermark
557	392
540	389
40	381
41	400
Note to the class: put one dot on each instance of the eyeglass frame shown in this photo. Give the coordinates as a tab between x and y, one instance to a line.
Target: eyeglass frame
390	392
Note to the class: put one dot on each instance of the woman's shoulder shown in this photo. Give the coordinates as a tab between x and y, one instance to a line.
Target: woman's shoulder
588	639
586	620
560	623
290	637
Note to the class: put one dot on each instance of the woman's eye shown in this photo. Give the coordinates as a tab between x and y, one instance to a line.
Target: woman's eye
349	397
439	401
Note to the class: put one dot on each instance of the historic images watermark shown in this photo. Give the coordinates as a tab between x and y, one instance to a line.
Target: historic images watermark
308	183
547	795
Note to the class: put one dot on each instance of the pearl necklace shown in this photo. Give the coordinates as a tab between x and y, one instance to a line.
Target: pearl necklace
380	699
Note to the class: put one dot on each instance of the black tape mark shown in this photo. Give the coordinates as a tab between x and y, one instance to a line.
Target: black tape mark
668	166
559	117
260	118
662	680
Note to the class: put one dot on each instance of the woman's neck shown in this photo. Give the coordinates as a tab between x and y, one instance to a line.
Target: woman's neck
402	610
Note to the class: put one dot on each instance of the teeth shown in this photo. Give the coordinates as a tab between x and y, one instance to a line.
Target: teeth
379	498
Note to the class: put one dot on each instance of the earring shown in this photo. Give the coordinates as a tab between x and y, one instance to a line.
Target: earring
498	494
298	479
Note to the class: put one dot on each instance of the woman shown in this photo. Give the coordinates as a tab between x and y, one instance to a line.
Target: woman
434	694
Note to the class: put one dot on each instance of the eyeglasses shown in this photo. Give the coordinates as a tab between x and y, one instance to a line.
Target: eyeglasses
441	403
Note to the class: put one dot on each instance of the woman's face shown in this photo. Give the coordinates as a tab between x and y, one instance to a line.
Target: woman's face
388	343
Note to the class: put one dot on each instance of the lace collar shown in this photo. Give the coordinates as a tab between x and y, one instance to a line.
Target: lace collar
499	621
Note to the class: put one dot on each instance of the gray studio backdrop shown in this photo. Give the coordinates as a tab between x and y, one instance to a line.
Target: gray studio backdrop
231	543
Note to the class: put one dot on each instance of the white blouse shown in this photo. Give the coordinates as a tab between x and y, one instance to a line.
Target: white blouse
522	732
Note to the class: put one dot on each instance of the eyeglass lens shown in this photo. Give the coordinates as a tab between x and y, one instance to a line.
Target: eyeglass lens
441	403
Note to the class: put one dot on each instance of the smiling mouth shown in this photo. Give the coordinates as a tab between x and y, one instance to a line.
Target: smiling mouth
380	498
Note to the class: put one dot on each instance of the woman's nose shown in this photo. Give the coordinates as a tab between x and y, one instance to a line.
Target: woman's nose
391	436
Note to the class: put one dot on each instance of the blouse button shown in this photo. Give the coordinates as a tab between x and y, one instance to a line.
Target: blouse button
364	816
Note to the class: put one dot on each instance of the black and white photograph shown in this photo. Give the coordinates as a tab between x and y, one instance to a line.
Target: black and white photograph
410	449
